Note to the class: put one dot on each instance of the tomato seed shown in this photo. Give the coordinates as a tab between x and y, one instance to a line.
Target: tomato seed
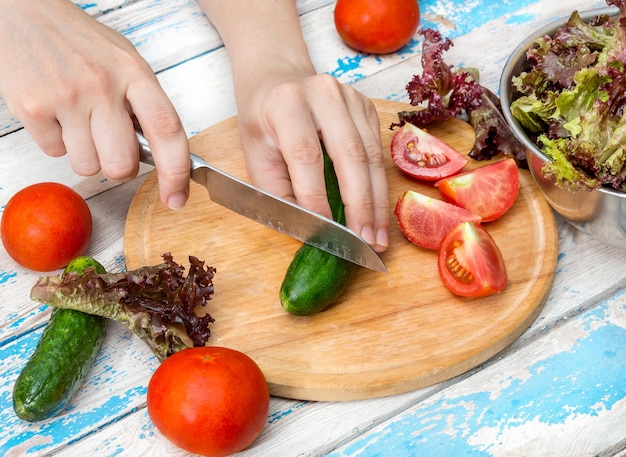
424	159
458	270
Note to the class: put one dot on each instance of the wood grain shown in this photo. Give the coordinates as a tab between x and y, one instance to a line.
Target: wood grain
390	333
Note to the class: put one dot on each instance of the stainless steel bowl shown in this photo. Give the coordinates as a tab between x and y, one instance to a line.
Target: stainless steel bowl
600	213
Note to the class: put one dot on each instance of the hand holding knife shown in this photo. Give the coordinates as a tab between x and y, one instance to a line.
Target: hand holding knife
277	213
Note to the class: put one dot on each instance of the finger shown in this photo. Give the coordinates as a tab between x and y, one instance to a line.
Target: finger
295	136
345	146
368	124
265	165
115	141
81	150
165	134
352	134
298	140
378	176
46	132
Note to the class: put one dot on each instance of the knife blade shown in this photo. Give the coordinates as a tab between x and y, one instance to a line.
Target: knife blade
275	212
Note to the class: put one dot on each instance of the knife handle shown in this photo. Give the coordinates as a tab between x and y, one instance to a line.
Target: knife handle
145	153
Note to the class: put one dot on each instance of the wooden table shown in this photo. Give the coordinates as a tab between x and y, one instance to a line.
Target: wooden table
558	390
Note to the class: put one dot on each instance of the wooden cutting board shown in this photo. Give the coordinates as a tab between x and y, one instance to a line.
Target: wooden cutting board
390	333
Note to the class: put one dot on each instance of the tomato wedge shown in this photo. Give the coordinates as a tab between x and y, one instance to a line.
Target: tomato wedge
488	191
423	156
425	220
470	263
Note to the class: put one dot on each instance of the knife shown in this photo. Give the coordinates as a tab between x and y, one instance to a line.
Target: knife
275	212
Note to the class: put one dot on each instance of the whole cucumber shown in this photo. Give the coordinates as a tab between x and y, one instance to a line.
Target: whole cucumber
64	354
315	279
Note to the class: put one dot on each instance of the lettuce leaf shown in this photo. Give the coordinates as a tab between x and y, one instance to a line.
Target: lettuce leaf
572	100
442	92
158	303
493	135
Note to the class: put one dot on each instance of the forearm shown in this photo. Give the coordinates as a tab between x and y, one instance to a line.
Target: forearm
253	49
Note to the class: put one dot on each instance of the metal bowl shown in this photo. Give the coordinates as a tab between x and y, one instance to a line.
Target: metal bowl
600	213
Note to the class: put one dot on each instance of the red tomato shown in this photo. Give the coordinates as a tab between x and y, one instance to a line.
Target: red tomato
424	156
488	191
470	263
45	226
376	26
208	400
425	220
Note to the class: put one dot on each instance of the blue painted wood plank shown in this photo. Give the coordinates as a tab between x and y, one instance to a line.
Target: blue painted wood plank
106	390
471	416
460	18
574	390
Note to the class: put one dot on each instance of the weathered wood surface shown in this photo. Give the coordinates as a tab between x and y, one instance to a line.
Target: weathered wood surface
560	389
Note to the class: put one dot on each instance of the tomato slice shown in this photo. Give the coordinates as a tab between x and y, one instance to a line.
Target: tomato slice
424	156
425	220
488	191
470	263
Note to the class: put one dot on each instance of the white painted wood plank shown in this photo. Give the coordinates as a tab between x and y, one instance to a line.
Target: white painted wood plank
165	33
358	416
100	8
561	395
208	105
19	314
335	422
309	428
105	6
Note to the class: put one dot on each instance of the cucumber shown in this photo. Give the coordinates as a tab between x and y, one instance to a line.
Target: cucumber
315	279
63	356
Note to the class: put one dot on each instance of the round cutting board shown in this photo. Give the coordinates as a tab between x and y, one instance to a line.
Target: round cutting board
389	333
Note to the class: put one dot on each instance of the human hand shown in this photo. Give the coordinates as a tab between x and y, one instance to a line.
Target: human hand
77	86
285	108
281	122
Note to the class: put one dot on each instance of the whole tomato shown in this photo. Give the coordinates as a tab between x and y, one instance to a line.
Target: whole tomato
45	226
376	26
209	400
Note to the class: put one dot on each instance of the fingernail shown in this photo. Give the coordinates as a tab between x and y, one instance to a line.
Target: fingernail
382	238
367	233
177	201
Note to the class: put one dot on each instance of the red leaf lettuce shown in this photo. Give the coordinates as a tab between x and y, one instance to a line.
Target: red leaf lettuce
571	100
158	303
442	93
